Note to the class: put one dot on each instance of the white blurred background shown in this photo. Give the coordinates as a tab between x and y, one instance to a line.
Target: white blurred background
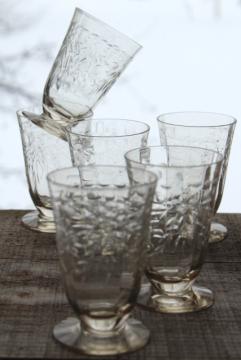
191	60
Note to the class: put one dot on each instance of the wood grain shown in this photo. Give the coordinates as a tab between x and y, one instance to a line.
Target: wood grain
32	301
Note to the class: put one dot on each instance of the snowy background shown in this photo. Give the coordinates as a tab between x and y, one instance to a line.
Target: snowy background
191	60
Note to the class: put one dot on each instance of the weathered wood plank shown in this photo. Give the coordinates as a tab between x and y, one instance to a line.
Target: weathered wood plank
30	309
17	242
229	250
32	301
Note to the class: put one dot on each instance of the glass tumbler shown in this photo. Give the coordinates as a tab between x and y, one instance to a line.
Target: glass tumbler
102	217
105	141
43	153
93	55
207	130
182	210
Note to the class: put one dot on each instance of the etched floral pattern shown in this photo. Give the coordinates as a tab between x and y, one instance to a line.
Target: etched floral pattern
209	131
105	141
101	233
92	57
43	153
182	209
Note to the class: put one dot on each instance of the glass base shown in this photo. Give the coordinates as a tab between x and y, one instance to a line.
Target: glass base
132	337
32	221
46	123
218	232
197	299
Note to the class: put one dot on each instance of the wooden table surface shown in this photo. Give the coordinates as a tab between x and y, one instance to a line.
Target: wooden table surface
32	301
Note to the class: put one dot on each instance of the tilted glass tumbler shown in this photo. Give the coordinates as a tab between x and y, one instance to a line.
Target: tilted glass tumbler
43	153
102	217
93	55
105	141
180	223
207	130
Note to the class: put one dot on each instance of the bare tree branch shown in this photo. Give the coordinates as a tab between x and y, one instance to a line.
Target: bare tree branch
12	89
12	21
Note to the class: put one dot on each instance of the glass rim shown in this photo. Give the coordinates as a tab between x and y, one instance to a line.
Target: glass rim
110	27
219	161
232	119
68	129
65	169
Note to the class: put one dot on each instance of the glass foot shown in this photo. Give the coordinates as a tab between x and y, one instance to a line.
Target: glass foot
218	232
132	337
197	299
31	221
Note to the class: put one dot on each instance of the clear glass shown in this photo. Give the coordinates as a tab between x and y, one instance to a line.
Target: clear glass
105	141
91	58
102	217
43	153
181	214
48	124
207	130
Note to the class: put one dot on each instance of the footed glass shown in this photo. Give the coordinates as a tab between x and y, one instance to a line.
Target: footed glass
105	141
182	210
43	152
93	55
102	217
207	130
